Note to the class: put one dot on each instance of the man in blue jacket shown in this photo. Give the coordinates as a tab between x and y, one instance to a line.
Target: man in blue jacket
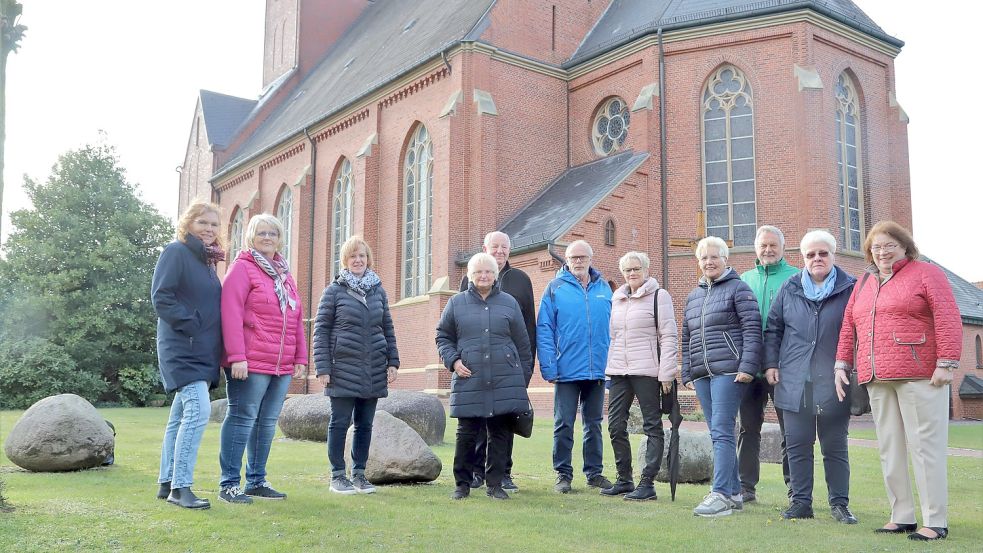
572	338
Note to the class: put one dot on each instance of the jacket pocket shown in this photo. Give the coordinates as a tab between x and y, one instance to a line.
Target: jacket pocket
731	345
911	339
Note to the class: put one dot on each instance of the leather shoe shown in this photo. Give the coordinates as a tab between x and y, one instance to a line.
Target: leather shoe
798	510
620	487
461	492
184	497
496	492
940	534
841	513
477	482
898	529
164	490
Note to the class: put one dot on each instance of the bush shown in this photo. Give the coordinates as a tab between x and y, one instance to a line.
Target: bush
32	369
138	384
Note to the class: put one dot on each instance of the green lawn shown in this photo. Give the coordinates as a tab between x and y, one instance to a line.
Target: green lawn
966	436
114	509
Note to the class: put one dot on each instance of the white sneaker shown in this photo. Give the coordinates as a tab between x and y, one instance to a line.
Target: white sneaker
714	505
342	485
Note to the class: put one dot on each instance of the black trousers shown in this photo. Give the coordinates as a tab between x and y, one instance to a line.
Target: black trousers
480	454
749	437
499	433
622	393
800	435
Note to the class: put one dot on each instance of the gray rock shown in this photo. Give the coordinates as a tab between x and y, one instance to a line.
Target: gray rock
397	453
695	457
422	411
634	419
59	433
306	417
219	407
771	443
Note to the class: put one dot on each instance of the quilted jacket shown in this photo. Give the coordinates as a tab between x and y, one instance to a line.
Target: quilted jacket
903	328
634	338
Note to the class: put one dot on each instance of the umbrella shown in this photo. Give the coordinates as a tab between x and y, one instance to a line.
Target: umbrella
670	407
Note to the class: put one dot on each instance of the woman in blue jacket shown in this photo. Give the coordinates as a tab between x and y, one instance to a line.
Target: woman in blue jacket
186	294
721	352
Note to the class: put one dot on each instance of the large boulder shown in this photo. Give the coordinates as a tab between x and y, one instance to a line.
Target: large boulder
695	457
306	417
422	411
59	433
219	407
635	419
397	453
771	443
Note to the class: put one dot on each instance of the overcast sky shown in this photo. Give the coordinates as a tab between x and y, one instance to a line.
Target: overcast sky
133	70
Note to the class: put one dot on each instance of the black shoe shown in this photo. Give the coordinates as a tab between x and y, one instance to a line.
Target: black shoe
645	491
621	486
842	514
798	510
898	529
940	534
508	485
599	481
496	492
461	492
562	484
749	497
265	491
477	482
184	497
234	495
164	490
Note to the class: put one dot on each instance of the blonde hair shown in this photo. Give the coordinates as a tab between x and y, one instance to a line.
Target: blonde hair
351	246
270	220
712	242
481	258
194	211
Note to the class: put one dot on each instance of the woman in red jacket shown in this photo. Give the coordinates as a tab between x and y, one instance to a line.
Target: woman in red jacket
263	331
903	323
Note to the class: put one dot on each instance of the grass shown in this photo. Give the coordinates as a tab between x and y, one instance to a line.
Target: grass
114	509
965	436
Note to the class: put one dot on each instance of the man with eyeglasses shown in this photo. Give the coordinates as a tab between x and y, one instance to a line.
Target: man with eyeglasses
765	279
572	336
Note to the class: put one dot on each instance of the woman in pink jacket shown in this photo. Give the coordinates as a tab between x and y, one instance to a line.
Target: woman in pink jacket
263	331
903	323
635	368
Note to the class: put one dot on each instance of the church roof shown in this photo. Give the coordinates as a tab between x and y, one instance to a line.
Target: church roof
968	297
223	114
388	39
569	198
627	20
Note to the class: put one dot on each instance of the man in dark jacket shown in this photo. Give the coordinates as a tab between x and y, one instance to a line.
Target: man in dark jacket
769	273
515	283
572	338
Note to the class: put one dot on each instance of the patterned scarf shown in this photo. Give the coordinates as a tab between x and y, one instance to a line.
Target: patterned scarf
214	254
361	285
279	275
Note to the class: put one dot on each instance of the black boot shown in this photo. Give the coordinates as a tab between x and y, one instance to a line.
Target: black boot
645	491
184	497
164	490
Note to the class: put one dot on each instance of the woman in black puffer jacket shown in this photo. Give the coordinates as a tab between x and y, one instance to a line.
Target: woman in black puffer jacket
482	339
721	352
356	357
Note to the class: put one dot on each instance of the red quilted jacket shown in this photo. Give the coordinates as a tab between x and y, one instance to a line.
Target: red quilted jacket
904	328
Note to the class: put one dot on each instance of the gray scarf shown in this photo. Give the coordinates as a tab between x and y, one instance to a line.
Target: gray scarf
279	276
359	285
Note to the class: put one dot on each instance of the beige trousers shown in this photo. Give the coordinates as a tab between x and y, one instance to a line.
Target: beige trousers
915	414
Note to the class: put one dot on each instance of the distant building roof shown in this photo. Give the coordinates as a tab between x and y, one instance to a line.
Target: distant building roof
388	39
968	297
627	20
569	198
223	115
971	387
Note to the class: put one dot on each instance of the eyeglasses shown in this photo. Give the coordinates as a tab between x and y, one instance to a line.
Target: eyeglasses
268	234
886	248
630	270
822	254
579	258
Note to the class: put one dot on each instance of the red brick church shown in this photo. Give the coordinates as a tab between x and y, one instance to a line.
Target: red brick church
633	124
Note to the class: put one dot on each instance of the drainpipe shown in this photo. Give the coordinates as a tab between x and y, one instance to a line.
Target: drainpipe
308	327
663	160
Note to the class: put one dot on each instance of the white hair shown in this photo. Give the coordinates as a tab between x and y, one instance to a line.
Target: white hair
814	236
773	230
712	242
493	234
481	259
590	250
264	218
642	259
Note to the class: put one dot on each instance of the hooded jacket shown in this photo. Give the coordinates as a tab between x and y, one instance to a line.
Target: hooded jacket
765	281
516	283
253	328
572	332
636	337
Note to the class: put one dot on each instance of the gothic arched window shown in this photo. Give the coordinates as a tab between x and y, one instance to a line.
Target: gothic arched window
610	128
417	208
610	233
285	213
341	213
728	156
979	352
236	230
849	175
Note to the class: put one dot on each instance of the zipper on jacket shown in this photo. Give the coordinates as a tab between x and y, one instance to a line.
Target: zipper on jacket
703	327
283	335
873	315
590	333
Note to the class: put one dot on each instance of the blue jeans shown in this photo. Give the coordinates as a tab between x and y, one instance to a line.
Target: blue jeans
720	397
343	409
588	396
249	425
182	435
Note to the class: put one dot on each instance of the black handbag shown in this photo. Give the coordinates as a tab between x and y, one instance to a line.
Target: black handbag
859	398
522	423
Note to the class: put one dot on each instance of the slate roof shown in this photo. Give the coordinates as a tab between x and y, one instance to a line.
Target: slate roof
627	20
971	387
568	199
223	115
388	39
968	297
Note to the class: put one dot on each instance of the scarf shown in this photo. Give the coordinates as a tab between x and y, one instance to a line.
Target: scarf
360	285
279	275
818	292
214	254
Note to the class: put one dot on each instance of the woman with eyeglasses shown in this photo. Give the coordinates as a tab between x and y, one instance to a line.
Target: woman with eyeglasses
185	293
265	345
721	353
800	349
902	334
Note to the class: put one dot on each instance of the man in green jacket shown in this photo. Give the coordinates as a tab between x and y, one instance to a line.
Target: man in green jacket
768	275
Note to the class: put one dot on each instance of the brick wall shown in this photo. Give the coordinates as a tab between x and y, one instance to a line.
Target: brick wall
968	364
